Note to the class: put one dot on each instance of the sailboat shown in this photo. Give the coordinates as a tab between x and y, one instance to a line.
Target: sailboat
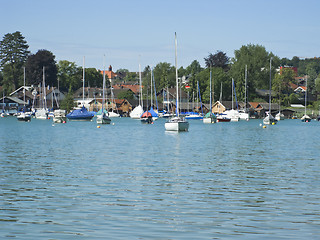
176	123
269	119
24	116
196	115
81	114
233	114
42	113
3	113
146	117
112	114
102	117
154	114
243	114
138	110
210	117
305	117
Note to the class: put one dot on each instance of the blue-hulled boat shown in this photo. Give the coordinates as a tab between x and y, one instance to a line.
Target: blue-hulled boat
80	115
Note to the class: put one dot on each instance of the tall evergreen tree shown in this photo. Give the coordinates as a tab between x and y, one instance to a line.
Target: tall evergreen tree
13	54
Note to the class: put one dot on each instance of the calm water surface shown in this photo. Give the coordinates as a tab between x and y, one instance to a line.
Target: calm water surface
134	181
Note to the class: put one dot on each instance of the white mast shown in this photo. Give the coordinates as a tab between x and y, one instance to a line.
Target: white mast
210	90
151	87
44	90
232	94
305	100
270	88
140	82
83	75
103	85
24	85
245	91
176	64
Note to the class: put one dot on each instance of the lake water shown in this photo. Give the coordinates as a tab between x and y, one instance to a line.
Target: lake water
135	181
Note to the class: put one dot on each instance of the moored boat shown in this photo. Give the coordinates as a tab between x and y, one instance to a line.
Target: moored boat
210	118
223	118
80	115
177	123
59	116
146	117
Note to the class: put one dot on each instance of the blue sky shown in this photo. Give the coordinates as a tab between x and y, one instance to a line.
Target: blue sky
128	32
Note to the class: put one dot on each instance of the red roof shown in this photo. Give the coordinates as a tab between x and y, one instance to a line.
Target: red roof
133	88
109	74
292	85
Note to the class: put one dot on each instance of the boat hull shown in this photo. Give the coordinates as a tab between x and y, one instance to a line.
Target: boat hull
103	120
177	124
146	120
269	120
59	119
24	117
209	120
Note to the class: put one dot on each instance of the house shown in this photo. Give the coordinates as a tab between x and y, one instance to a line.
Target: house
288	113
30	94
169	94
123	107
34	96
12	104
264	107
300	89
220	107
109	74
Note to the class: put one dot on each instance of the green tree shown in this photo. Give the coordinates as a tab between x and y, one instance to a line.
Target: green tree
94	78
194	68
68	102
69	75
34	68
126	95
220	78
164	75
280	82
219	59
257	60
13	54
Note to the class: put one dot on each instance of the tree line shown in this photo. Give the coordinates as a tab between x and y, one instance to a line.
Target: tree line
15	56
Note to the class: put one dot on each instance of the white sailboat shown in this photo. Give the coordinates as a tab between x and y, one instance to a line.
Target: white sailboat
138	110
305	117
24	116
102	118
3	113
210	117
233	114
176	123
112	114
42	113
244	115
269	119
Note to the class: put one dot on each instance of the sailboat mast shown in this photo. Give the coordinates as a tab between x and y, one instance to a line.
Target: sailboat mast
176	64
44	89
24	85
232	94
210	90
103	85
141	102
83	75
305	100
245	91
270	88
151	87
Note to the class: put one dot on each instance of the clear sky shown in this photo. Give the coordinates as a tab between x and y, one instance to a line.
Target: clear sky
128	32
